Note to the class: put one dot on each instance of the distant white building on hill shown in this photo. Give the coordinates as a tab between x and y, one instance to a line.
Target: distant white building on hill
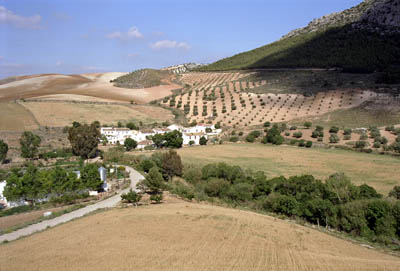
119	135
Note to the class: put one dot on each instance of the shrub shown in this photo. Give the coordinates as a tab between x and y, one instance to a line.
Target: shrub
156	198
267	124
131	197
297	134
334	138
334	130
307	124
361	144
250	138
293	128
302	143
203	141
346	137
347	131
234	139
309	144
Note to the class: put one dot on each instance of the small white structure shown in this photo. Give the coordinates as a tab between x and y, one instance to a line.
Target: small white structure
103	176
46	214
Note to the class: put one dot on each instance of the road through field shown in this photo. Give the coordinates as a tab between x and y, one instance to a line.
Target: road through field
134	176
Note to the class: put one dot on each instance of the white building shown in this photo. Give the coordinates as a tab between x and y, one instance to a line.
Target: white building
118	135
195	137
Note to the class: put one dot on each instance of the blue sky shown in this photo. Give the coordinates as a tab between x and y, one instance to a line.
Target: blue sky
77	36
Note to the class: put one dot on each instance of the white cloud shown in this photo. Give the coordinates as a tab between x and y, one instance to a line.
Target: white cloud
132	33
169	44
8	17
59	63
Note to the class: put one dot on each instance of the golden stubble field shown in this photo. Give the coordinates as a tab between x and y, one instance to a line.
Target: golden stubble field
59	114
378	171
187	236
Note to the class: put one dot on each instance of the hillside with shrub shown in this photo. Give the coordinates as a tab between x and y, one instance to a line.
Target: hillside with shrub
144	78
363	39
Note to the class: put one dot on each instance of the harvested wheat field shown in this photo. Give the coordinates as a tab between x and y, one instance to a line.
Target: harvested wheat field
90	85
14	117
187	236
58	114
378	171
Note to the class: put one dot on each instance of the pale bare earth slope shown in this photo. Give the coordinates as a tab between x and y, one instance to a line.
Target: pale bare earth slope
87	86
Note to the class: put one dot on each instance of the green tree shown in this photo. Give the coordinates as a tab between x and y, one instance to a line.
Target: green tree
3	151
90	177
341	188
29	144
84	140
28	187
171	164
153	182
203	140
146	165
132	126
130	144
395	193
191	142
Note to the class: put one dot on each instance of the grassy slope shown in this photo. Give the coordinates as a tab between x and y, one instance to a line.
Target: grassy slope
381	172
337	47
145	78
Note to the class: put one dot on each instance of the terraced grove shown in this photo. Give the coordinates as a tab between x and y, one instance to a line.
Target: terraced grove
225	98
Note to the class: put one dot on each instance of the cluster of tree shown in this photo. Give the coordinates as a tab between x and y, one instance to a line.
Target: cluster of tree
335	203
32	184
161	167
273	135
168	140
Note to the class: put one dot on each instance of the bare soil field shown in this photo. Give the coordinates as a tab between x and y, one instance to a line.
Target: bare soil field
59	114
235	104
94	85
15	117
379	171
187	236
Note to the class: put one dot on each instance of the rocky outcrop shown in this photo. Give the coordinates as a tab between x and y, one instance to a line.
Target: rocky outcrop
372	15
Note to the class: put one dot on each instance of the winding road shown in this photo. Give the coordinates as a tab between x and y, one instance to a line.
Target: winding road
134	176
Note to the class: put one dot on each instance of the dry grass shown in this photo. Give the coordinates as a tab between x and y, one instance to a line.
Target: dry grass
187	236
7	222
57	114
379	171
14	117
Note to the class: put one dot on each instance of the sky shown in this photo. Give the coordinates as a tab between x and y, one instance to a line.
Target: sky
83	36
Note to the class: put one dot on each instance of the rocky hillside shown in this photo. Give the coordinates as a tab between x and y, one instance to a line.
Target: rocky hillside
373	15
365	38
